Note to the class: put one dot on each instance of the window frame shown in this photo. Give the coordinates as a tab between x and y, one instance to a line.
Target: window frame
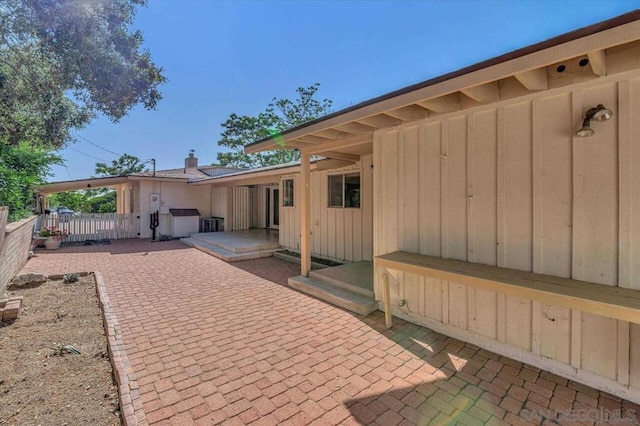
344	175
284	193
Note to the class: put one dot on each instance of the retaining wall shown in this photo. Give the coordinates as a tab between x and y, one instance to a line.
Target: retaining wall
14	249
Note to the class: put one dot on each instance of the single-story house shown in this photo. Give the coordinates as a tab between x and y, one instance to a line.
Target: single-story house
499	203
241	199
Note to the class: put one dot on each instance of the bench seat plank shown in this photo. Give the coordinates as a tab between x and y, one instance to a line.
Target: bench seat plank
609	301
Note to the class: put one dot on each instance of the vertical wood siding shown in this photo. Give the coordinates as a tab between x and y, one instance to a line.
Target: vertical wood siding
342	234
509	185
241	200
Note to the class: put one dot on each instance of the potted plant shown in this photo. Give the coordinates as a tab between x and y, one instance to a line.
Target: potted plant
53	237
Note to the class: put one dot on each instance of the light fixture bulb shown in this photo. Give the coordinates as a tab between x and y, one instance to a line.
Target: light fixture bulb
598	113
601	113
585	131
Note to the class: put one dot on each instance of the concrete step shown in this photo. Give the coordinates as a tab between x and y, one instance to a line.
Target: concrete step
226	255
355	277
235	246
295	259
335	295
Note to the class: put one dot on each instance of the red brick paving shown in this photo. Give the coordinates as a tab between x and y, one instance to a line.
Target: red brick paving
211	343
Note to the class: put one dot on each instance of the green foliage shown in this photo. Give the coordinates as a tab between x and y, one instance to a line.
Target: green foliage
70	278
53	232
63	61
86	201
22	167
104	203
61	350
32	106
75	200
125	165
280	115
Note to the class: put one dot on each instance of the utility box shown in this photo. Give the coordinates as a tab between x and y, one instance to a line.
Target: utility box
184	222
212	224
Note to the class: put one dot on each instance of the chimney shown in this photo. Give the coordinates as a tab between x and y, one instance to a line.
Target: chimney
191	162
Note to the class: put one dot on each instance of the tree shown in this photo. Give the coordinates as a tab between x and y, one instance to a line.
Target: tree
104	200
280	115
22	167
74	200
64	61
125	165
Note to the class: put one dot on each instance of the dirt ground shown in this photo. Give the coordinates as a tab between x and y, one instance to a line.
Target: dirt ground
39	387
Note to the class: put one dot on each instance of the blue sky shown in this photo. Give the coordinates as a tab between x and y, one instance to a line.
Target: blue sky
224	57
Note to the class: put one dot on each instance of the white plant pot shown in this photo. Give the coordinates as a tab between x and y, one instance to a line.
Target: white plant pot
52	243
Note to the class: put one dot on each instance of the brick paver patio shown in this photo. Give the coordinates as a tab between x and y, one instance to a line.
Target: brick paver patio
211	342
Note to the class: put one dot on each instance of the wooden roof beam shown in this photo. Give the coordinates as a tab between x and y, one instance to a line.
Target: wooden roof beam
333	134
409	113
313	139
354	127
380	120
341	156
362	139
598	62
484	93
331	164
534	80
443	104
296	144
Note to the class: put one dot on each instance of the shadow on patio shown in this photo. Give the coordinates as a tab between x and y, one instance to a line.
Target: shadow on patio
419	376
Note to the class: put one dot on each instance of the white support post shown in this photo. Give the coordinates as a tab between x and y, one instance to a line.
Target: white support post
305	213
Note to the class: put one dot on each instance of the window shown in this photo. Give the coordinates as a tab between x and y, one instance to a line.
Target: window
287	190
344	190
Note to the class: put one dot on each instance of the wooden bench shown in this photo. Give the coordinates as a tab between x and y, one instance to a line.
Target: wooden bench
608	301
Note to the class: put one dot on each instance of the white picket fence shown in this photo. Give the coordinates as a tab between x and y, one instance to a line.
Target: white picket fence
95	226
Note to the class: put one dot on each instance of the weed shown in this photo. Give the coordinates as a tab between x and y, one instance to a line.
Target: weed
71	278
60	350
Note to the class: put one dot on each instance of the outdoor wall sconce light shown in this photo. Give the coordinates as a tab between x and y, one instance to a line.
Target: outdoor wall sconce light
599	113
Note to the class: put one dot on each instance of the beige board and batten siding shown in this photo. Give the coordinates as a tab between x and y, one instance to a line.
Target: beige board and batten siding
259	205
337	233
241	199
241	207
509	185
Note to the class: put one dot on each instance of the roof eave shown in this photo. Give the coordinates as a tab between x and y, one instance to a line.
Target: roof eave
618	30
77	185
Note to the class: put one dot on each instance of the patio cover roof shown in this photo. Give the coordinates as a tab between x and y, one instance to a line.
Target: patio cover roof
101	182
76	185
518	73
245	177
269	173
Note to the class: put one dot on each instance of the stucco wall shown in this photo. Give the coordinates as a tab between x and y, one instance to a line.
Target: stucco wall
510	185
219	202
173	195
14	251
